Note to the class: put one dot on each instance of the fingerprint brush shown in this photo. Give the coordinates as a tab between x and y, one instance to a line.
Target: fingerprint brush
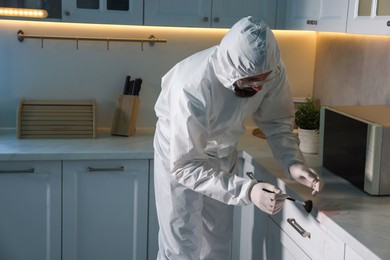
307	205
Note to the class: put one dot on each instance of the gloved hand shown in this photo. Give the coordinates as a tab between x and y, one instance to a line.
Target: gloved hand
306	176
270	201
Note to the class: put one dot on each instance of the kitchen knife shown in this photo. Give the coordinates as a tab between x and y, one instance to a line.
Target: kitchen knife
127	85
132	87
137	86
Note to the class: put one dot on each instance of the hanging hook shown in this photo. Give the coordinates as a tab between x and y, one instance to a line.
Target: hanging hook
42	42
77	43
151	42
142	45
108	44
20	36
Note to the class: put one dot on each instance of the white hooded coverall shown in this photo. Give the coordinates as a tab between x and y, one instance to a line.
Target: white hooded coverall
199	122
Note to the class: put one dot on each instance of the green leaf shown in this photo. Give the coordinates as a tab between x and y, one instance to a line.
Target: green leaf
307	115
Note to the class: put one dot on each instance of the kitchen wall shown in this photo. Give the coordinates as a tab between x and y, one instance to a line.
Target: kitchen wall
58	70
352	69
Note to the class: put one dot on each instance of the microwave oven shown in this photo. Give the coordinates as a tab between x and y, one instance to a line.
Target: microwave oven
355	145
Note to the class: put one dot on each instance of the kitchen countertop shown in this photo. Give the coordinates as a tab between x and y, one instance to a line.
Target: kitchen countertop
360	220
105	146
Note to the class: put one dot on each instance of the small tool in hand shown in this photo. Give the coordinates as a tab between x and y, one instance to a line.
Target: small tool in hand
307	205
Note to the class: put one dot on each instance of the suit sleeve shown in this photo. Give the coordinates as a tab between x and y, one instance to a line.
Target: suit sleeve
190	164
275	117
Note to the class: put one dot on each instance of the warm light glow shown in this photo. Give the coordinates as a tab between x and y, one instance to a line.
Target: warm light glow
23	12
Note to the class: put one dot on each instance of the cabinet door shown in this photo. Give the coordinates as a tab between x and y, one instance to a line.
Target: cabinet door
333	16
228	12
191	13
300	13
369	17
103	11
30	210
207	13
105	209
317	15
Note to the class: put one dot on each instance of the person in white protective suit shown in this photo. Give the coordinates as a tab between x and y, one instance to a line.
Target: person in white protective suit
201	108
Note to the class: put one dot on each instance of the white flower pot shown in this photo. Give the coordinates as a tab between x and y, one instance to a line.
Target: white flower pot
309	140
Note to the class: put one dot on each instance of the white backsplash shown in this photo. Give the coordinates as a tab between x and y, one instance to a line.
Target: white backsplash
60	71
352	69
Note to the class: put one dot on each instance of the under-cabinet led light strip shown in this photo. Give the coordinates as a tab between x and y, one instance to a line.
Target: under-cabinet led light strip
23	12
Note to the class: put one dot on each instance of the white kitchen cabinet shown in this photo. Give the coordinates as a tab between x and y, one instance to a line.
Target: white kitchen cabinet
30	210
317	15
103	11
207	13
105	209
369	17
290	234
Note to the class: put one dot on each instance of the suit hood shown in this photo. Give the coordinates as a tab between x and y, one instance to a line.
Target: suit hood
248	49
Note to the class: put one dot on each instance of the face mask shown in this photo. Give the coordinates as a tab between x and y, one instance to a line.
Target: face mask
244	92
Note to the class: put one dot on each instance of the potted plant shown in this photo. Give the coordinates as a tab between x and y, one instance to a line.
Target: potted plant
307	119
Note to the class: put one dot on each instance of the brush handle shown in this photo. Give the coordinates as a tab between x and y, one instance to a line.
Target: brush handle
289	198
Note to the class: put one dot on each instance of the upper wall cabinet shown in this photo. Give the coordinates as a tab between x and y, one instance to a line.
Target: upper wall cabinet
103	11
317	15
207	13
369	17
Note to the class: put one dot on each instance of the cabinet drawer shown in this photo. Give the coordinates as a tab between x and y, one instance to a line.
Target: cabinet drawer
280	245
308	233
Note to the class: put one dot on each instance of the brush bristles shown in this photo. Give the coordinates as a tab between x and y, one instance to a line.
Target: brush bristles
308	206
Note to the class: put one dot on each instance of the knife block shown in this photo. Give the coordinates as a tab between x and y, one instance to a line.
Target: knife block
125	115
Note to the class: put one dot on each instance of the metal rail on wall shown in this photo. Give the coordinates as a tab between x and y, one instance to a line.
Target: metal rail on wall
151	40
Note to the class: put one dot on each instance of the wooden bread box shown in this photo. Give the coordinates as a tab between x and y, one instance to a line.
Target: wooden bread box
56	119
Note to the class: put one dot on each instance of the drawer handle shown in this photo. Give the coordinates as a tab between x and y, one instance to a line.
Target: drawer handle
32	170
117	169
298	228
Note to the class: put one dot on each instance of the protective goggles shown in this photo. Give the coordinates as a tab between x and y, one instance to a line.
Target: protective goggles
249	83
